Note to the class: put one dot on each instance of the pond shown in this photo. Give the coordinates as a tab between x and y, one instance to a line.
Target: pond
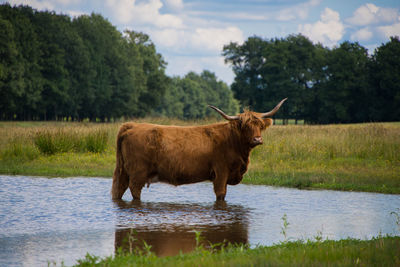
61	219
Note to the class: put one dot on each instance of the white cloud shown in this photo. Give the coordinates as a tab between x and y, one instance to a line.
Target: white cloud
244	16
67	2
371	14
363	34
197	49
199	40
328	30
390	30
43	4
174	4
122	9
329	15
231	15
147	12
259	12
76	13
215	38
181	65
382	21
169	38
297	12
364	15
39	5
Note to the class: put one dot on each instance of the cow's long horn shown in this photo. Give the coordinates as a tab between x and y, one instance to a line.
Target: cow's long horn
272	112
227	117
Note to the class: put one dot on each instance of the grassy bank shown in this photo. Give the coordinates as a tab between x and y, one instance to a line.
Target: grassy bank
358	157
383	251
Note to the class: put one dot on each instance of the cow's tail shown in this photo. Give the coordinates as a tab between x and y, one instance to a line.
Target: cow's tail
120	178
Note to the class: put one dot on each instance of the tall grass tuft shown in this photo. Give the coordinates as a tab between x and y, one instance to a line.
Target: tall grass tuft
19	150
58	141
51	142
96	141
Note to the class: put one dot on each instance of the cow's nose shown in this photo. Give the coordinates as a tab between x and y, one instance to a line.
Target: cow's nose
257	140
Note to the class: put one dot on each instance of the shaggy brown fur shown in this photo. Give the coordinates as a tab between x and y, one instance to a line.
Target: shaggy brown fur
177	155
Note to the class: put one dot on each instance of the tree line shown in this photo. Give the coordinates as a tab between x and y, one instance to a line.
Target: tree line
53	67
339	85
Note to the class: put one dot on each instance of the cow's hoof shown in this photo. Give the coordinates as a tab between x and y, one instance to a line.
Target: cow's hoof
220	205
220	198
136	199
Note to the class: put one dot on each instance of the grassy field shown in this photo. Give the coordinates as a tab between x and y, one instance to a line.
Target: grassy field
382	251
357	157
360	157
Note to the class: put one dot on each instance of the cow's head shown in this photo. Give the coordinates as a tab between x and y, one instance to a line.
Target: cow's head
251	124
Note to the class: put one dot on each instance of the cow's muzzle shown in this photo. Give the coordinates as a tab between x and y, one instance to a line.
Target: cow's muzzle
257	141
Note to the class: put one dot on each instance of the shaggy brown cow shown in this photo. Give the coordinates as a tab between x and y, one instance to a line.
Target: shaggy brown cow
177	155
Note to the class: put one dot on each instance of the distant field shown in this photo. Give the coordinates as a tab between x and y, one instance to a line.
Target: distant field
359	157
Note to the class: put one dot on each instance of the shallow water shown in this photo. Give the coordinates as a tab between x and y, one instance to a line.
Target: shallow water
61	219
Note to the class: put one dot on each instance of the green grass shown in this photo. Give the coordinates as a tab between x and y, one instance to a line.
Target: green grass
359	157
57	149
356	157
382	251
63	140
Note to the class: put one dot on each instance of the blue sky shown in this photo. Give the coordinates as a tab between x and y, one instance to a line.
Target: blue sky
190	34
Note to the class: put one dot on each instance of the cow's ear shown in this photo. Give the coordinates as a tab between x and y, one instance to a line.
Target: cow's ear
268	122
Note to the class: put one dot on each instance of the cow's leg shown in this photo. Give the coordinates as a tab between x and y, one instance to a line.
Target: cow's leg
220	184
136	182
136	189
120	183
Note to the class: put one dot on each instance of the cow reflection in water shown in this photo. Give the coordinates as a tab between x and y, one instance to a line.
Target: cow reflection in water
169	228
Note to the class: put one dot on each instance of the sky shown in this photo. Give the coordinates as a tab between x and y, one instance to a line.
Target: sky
190	34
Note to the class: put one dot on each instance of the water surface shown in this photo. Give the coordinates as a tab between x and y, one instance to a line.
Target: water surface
61	219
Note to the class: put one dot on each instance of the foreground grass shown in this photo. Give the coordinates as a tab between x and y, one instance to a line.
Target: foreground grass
357	157
383	251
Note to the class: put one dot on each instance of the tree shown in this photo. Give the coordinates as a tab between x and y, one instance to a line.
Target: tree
172	103
188	97
80	73
246	61
312	110
50	29
216	93
224	96
9	71
345	94
385	77
99	37
21	59
301	70
270	70
152	71
323	86
194	99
